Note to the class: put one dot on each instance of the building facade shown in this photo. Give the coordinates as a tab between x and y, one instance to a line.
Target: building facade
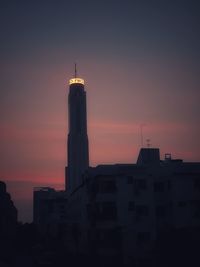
49	209
121	210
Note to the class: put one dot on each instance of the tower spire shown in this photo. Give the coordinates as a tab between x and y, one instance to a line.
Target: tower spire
75	79
75	70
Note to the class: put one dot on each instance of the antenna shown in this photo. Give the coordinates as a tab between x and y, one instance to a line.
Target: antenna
75	70
141	133
148	143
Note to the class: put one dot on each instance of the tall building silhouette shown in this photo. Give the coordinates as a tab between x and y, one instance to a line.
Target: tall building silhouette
8	214
78	155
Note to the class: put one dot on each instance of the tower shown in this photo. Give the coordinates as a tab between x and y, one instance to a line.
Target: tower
78	155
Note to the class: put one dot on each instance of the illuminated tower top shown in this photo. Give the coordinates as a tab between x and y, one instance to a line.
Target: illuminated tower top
76	80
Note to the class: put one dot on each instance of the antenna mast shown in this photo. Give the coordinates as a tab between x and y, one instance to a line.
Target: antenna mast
141	133
75	70
148	143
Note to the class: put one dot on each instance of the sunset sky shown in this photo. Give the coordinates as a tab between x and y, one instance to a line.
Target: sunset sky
140	61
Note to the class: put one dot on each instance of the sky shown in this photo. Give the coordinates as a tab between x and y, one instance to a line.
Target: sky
140	60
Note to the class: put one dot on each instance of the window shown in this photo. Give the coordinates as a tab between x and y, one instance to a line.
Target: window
107	186
143	237
129	180
106	211
140	184
159	187
160	211
141	210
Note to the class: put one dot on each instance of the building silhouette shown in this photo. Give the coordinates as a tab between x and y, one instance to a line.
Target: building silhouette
49	210
78	156
117	212
122	209
8	214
